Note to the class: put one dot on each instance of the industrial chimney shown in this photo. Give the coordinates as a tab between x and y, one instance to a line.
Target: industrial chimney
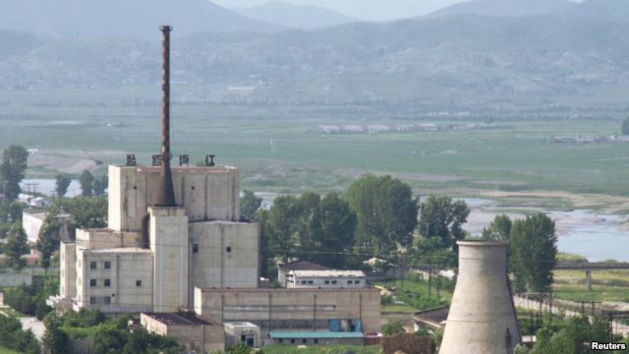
166	195
482	317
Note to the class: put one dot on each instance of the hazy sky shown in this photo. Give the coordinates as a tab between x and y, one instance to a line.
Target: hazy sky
377	10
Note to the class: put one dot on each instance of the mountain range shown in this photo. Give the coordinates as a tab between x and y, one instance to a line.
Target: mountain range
560	60
294	16
138	19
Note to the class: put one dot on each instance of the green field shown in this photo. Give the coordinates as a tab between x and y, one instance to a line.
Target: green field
279	149
4	350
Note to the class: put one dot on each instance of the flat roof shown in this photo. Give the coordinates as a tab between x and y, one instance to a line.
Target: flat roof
179	318
303	265
329	273
307	335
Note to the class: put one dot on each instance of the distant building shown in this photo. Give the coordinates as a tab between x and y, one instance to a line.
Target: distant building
304	274
33	220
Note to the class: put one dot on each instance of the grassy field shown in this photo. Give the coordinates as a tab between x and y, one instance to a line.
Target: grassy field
4	350
607	285
278	148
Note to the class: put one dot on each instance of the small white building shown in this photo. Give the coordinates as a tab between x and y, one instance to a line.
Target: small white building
242	332
33	219
326	279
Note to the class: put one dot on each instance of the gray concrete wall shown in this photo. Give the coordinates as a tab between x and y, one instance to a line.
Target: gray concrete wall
482	317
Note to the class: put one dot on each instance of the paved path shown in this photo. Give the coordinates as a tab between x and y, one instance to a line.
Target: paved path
34	325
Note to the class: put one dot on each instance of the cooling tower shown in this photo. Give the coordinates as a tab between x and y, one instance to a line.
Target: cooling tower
482	317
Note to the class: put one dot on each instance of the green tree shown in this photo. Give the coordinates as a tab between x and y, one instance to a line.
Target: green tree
533	252
571	336
87	212
86	179
624	129
55	340
386	212
333	225
16	247
49	236
441	217
12	170
62	182
498	229
279	228
99	185
249	205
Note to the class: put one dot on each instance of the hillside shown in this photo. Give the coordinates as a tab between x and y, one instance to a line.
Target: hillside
122	19
457	63
506	8
295	16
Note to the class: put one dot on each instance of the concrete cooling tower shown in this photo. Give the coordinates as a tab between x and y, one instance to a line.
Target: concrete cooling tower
482	317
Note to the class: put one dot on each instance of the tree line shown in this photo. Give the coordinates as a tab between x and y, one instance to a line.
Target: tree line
379	216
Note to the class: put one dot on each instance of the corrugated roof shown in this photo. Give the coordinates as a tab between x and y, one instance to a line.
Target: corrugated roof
329	273
308	335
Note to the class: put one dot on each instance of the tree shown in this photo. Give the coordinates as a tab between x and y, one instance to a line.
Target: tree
249	204
62	182
333	225
443	218
87	183
16	247
571	336
49	236
279	228
386	212
99	185
533	252
624	130
498	229
14	164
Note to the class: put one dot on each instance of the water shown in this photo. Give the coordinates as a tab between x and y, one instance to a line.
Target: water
47	187
596	236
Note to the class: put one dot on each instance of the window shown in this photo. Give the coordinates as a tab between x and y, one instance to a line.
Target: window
92	265
316	340
333	281
303	340
195	248
310	282
303	282
92	300
292	340
350	282
107	300
138	283
356	281
228	249
326	282
107	282
107	265
92	282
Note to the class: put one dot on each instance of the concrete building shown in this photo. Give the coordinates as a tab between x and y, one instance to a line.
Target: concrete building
482	318
338	279
151	258
33	220
196	333
304	274
242	332
324	310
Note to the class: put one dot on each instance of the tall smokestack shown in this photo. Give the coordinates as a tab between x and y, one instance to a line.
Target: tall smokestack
166	196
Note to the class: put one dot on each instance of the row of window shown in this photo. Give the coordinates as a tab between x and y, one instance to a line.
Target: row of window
195	248
94	265
330	282
107	283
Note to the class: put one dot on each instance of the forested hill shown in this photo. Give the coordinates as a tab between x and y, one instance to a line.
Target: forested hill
461	62
122	18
